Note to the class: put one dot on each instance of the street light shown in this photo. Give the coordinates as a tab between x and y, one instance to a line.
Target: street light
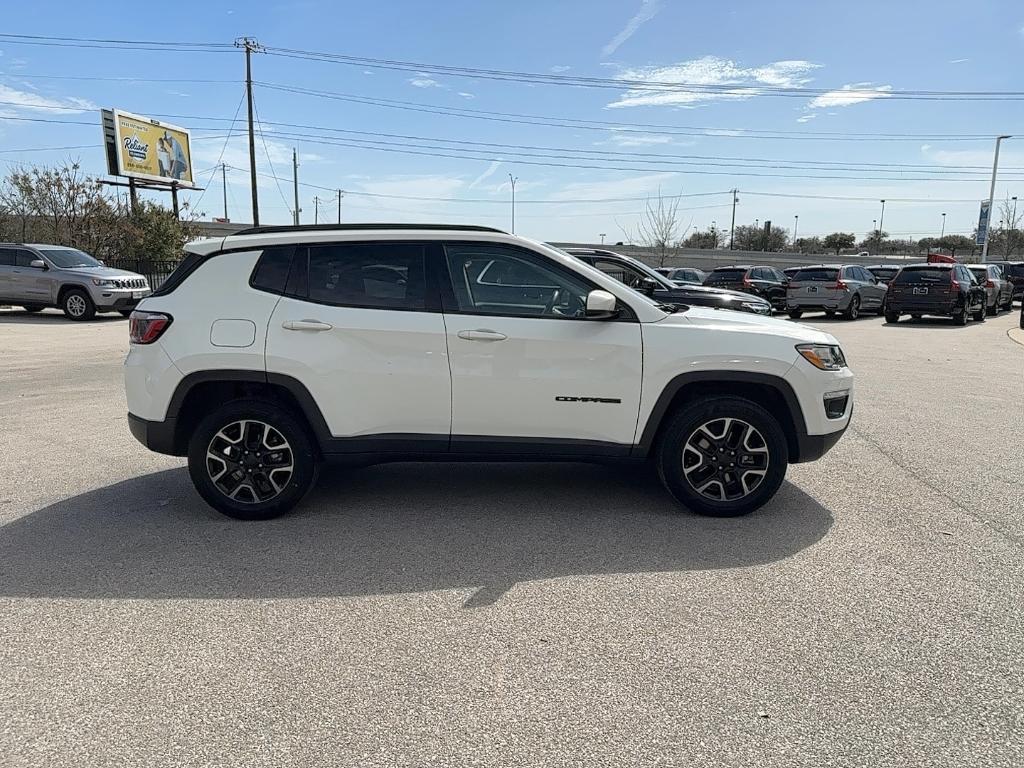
602	236
796	222
881	224
942	234
991	195
512	180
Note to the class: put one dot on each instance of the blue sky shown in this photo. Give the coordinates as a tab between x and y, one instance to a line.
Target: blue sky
859	54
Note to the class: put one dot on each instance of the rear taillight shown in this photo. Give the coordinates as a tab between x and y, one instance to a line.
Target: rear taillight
746	281
147	327
989	284
954	286
840	286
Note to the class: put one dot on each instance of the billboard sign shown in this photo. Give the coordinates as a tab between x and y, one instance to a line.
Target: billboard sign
982	223
144	148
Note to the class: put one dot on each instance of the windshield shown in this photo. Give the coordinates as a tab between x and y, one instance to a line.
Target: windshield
68	258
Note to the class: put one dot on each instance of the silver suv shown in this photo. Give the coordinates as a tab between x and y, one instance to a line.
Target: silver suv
831	288
37	276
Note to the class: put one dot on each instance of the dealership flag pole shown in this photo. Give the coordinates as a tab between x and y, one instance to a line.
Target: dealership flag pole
991	196
295	185
251	45
224	184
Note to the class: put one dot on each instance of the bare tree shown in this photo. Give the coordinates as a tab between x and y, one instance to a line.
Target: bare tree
1010	234
659	227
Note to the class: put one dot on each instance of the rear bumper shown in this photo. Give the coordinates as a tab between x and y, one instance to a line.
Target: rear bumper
158	436
942	309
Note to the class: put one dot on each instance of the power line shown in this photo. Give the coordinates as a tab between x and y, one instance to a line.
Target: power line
718	89
270	162
223	149
53	149
604	125
131	45
100	78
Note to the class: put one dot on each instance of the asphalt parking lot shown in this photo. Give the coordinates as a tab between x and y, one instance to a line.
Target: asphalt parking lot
507	615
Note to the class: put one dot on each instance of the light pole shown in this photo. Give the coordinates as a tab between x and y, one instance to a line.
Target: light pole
714	233
512	180
796	222
1013	229
991	195
732	227
942	234
881	223
602	236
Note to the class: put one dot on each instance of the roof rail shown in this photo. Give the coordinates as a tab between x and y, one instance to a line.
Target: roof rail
276	228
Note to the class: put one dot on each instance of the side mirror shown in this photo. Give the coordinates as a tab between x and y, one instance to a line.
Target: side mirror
648	286
601	305
37	264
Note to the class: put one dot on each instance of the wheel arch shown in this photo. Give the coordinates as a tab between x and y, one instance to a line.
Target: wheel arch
65	287
772	393
199	393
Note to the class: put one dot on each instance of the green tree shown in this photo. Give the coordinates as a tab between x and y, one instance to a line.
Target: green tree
808	245
837	241
954	243
750	237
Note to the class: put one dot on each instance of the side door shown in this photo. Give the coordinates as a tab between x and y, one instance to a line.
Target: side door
870	296
360	326
538	376
31	283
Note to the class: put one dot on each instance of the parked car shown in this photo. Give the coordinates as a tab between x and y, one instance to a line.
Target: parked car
766	282
1014	272
830	288
36	276
643	278
946	290
272	349
998	290
688	275
790	271
884	272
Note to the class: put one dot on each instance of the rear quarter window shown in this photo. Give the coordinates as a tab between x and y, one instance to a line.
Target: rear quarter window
271	271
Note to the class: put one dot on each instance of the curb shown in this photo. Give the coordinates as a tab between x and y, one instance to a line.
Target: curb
1017	335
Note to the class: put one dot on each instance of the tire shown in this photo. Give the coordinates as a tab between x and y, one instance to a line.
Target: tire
33	308
892	317
992	311
688	438
979	316
853	311
240	425
830	313
125	312
796	314
916	317
77	305
961	317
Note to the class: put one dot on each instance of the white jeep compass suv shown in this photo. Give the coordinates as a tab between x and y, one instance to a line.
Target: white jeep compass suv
272	350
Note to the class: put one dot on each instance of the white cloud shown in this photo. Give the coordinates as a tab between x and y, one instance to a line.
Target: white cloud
730	81
467	95
23	100
807	118
495	164
560	68
630	139
648	10
958	61
423	80
849	94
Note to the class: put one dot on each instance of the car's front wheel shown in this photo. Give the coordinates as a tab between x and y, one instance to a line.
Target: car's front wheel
77	305
252	460
796	314
722	456
33	307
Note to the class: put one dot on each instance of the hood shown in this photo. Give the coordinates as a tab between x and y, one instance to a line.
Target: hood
705	290
748	322
99	272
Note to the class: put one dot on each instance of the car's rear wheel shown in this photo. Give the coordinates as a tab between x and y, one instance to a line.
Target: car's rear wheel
252	460
796	314
722	456
892	317
979	315
830	313
77	305
993	311
853	311
961	317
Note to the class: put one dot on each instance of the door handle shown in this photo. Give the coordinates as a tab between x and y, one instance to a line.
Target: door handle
305	325
482	334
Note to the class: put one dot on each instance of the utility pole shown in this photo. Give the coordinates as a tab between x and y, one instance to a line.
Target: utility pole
316	210
881	223
732	227
295	185
224	183
251	45
991	195
513	179
942	234
340	195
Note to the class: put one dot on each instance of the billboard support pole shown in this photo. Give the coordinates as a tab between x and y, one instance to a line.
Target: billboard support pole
174	199
133	194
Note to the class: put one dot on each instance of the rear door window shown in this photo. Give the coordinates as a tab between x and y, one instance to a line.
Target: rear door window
368	275
6	257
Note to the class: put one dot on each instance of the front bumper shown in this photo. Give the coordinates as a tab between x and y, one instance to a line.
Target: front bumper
117	299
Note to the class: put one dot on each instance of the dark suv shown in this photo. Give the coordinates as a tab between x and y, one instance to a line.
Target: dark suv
947	290
1014	272
767	282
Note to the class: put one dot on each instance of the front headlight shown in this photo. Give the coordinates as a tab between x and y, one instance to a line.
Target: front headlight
759	307
100	282
827	357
